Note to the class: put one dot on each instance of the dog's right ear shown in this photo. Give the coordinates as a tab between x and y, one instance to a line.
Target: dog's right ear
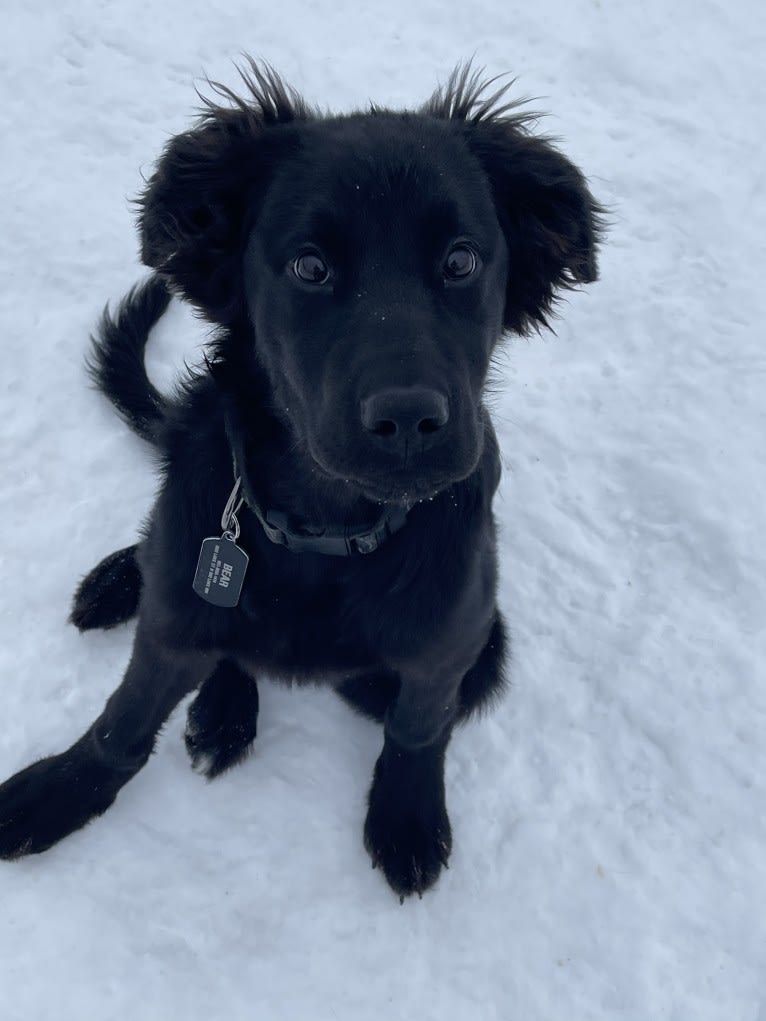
198	205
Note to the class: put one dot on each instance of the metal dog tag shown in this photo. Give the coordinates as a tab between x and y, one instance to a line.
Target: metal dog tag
222	564
220	571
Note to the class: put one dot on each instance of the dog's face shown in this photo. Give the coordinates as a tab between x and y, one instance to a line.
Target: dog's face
378	258
374	277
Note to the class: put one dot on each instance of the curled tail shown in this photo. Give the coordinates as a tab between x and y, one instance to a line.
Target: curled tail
116	362
110	593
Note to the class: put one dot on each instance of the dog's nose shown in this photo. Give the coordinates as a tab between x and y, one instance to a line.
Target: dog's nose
400	415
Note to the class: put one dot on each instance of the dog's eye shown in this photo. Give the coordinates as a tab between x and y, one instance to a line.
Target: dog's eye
311	268
460	263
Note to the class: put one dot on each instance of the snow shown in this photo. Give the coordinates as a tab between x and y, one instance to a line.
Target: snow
609	818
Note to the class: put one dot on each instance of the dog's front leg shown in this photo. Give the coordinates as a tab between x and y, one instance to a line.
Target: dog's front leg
407	831
53	797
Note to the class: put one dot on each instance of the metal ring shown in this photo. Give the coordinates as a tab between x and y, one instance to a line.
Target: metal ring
232	506
232	533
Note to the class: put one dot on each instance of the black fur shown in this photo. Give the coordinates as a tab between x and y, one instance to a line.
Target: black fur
360	271
110	594
117	359
222	720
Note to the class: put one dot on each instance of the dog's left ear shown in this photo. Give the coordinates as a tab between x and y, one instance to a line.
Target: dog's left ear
551	222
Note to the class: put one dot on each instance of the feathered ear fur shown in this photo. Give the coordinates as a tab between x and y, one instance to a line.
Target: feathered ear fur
551	221
193	215
200	202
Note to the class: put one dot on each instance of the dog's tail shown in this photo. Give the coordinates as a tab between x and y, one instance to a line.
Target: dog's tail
116	363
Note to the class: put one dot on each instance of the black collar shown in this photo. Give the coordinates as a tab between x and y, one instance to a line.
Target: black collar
332	541
303	537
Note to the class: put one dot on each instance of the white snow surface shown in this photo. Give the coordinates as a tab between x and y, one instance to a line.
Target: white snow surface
610	816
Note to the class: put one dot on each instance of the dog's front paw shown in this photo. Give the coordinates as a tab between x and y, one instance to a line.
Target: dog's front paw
407	833
50	799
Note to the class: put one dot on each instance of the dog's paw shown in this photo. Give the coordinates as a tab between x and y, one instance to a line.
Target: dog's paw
109	594
408	838
49	800
222	721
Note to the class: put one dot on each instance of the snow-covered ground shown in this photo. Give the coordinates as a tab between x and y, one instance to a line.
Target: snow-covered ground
610	818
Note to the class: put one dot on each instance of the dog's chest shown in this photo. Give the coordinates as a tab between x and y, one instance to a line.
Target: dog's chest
299	623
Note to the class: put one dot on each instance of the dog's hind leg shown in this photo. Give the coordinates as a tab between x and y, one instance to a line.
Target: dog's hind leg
373	693
222	720
486	681
370	694
109	594
56	796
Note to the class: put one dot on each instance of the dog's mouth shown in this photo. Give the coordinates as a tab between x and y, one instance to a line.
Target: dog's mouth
402	493
403	487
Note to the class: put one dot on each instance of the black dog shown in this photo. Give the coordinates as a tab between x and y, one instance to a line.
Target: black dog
360	271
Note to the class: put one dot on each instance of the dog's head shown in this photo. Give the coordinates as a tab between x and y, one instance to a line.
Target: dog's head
377	257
